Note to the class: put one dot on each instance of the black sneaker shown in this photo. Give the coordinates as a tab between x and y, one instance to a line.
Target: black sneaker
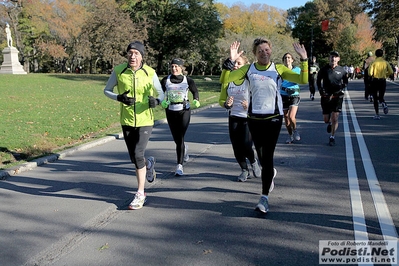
332	141
311	97
329	128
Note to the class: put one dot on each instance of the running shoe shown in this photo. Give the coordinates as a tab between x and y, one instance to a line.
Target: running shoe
179	170
272	184
243	176
385	107
331	141
377	117
256	169
371	98
151	174
138	201
263	205
329	128
290	139
186	157
296	135
311	97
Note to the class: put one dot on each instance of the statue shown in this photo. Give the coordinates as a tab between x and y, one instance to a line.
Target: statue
11	64
9	38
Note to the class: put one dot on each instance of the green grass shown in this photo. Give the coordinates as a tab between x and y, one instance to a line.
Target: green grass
45	113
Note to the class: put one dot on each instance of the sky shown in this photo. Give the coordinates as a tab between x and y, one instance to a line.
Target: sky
283	4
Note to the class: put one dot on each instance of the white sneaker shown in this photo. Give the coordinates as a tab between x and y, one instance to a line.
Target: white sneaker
385	107
274	176
263	205
243	176
296	135
186	157
179	170
138	201
256	169
151	174
290	139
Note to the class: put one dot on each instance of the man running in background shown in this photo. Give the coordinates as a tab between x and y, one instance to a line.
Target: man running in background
331	82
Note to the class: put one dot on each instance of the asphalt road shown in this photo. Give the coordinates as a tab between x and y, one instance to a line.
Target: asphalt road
73	211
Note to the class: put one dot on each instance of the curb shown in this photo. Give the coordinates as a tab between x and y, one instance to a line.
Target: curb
54	157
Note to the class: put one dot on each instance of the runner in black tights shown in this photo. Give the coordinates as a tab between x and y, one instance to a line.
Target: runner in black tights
234	96
265	110
176	87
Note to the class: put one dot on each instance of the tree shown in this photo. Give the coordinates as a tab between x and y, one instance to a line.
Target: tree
347	31
175	26
55	26
385	19
364	35
305	23
244	24
106	34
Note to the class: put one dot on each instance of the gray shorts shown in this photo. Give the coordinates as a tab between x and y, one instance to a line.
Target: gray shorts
290	101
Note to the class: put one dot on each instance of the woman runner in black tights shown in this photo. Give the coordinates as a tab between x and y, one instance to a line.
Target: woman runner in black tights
234	96
177	107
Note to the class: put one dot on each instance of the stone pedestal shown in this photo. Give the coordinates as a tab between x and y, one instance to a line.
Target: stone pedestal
11	63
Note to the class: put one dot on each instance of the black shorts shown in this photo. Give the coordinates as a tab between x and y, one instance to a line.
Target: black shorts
290	101
331	104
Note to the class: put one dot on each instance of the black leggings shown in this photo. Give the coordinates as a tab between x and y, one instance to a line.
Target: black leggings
377	89
241	140
178	123
312	84
136	139
367	81
265	135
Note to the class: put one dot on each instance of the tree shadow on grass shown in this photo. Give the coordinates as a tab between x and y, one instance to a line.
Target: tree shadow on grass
8	157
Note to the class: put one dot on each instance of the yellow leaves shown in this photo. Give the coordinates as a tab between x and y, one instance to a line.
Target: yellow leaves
103	247
364	35
207	251
260	21
204	251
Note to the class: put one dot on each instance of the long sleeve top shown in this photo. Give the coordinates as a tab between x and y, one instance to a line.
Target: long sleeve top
264	85
380	69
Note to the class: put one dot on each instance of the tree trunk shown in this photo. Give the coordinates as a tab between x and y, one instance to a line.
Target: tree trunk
159	63
192	69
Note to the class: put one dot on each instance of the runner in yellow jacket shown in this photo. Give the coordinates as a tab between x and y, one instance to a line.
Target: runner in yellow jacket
138	91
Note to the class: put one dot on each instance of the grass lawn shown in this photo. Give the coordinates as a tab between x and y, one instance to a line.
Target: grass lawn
45	113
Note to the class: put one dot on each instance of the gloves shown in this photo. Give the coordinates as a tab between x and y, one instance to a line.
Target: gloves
228	64
152	102
227	106
123	98
165	104
196	103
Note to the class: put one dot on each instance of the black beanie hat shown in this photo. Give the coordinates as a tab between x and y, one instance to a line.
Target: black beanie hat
334	53
136	45
177	61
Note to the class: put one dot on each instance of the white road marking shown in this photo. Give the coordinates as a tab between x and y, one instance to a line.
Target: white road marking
359	222
384	216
